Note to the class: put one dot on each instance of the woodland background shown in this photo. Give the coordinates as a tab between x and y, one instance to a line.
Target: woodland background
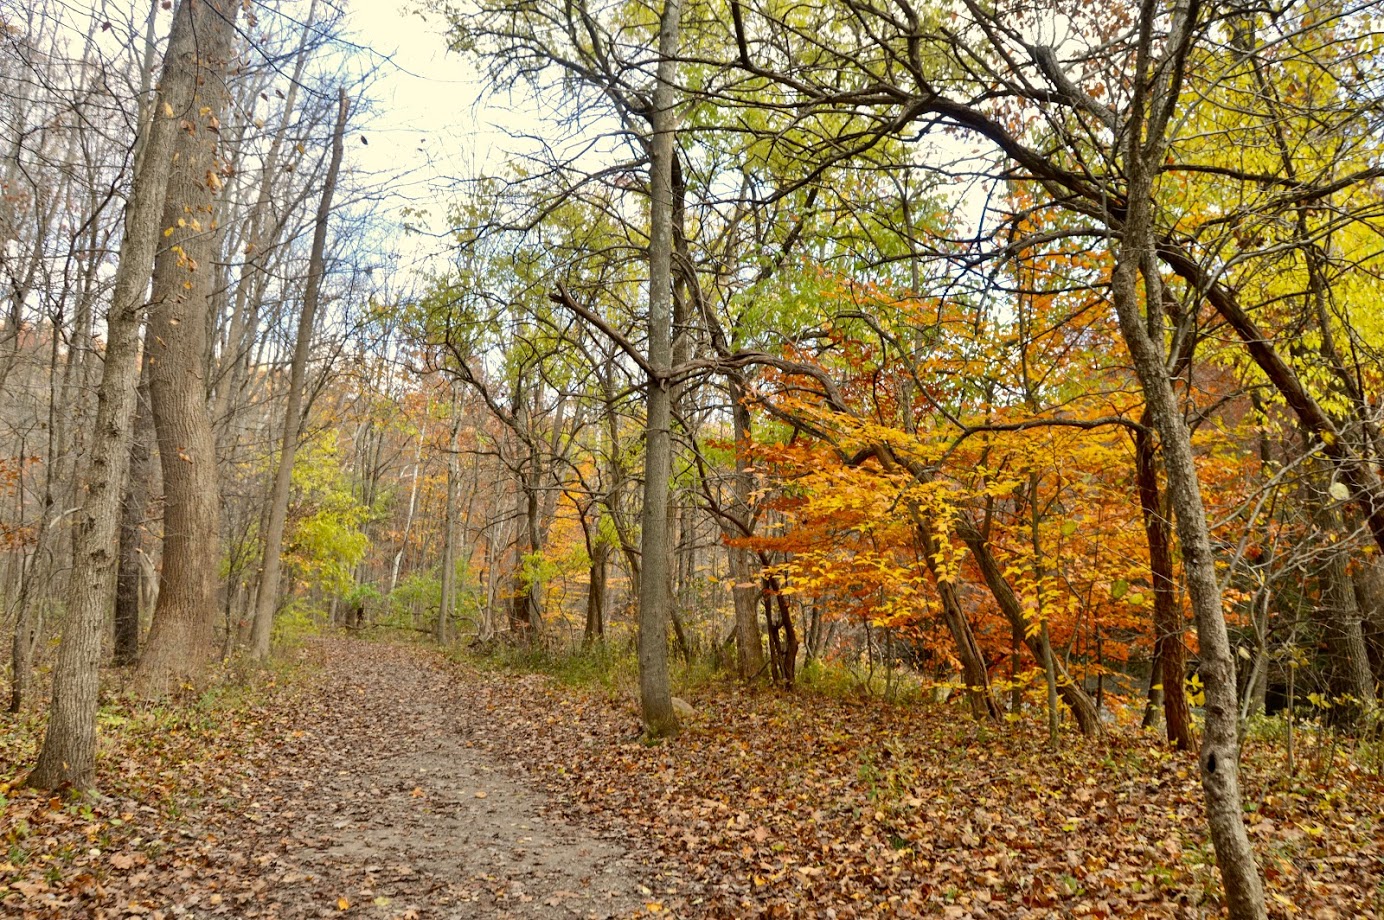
1022	356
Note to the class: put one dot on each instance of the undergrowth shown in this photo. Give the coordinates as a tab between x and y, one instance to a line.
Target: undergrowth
609	667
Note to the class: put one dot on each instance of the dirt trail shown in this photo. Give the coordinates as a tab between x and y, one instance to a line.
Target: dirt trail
375	800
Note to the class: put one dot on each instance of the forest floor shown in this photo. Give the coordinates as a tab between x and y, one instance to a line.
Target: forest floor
382	781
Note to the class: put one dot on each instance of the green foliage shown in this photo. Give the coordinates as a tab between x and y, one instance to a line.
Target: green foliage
298	619
841	680
325	538
417	592
610	667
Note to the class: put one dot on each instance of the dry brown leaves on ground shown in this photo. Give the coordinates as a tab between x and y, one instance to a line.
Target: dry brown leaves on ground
781	805
381	782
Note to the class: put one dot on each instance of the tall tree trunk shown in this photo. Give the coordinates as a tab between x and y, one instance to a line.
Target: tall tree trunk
749	648
447	602
267	598
180	642
133	508
1142	326
261	237
1220	747
199	45
655	587
1168	651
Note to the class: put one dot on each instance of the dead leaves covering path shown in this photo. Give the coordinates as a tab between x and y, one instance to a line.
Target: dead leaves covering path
768	805
776	805
349	793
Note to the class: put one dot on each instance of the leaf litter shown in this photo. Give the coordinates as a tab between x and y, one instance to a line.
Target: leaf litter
385	782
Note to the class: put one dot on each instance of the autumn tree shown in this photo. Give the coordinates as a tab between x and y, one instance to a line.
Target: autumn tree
199	50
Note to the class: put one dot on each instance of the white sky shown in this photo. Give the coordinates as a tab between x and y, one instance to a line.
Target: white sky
429	126
429	115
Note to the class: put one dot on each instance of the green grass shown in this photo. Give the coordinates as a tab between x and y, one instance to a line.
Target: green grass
609	667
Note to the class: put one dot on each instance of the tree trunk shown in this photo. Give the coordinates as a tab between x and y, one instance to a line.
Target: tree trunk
267	597
198	44
447	603
133	508
655	588
180	642
973	670
1168	651
1077	700
1368	580
1142	326
1340	616
749	649
260	239
596	592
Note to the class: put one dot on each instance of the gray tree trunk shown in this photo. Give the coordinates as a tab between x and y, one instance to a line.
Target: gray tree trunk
181	642
1368	579
267	599
1143	327
261	236
1143	335
133	508
68	754
655	587
447	603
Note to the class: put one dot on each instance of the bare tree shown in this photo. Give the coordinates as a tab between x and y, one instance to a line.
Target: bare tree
199	45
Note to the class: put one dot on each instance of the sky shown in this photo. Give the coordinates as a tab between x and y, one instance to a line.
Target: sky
436	121
430	115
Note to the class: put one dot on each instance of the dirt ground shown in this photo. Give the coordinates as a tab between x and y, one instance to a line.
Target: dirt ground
385	803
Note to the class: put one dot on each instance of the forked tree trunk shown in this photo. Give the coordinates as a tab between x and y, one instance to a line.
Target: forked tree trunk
68	755
267	598
180	642
1077	700
1143	335
973	671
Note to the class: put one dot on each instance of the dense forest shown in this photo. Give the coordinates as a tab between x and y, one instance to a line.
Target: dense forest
1015	367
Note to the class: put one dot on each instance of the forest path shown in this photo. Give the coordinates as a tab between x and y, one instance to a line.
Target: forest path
374	797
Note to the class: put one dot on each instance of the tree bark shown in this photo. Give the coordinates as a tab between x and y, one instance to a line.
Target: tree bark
1368	580
1143	335
180	642
133	508
68	754
1077	700
655	589
749	648
1169	653
447	602
1340	615
596	592
1142	325
260	238
973	671
267	598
